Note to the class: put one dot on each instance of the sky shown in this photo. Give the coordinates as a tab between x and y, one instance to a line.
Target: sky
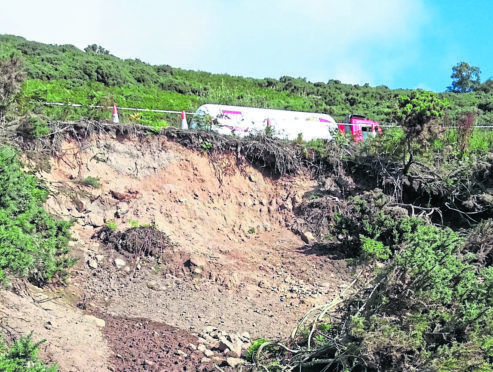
397	43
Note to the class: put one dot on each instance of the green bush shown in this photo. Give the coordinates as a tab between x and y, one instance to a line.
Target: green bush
23	356
32	244
430	307
370	228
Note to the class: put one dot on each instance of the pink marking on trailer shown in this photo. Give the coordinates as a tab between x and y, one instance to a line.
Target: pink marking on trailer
323	120
231	112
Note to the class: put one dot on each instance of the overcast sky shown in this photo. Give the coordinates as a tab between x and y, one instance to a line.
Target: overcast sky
398	43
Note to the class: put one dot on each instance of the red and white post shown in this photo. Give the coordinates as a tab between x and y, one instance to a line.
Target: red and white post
115	115
184	124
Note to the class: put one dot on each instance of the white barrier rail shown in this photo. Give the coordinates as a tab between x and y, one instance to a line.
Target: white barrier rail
111	107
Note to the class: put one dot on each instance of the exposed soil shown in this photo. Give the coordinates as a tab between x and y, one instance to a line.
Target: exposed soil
140	344
229	259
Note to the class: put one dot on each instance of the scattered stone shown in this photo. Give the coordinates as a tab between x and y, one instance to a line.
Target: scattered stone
232	239
74	235
287	205
119	263
93	264
195	261
48	325
181	353
154	285
235	280
210	329
100	258
148	363
234	362
95	220
205	360
222	347
246	336
201	348
208	353
122	208
307	237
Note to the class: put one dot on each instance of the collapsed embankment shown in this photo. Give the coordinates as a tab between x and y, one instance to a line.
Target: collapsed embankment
228	268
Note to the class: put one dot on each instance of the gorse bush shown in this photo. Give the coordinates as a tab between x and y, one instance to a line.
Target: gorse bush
23	356
369	227
33	244
429	308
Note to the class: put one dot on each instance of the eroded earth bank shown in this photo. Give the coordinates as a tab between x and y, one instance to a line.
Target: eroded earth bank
185	257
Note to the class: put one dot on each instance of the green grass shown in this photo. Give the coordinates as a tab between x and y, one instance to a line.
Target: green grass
91	181
112	225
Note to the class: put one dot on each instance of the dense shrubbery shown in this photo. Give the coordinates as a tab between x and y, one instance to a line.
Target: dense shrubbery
32	244
66	74
428	308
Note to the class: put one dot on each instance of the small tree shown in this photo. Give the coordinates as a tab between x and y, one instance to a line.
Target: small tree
11	78
465	78
98	49
415	112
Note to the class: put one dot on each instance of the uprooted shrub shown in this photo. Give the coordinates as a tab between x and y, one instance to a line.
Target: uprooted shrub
33	244
137	241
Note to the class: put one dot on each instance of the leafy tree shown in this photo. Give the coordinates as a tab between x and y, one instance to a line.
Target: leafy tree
465	78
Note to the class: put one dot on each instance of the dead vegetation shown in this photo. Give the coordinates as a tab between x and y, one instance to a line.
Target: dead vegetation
135	242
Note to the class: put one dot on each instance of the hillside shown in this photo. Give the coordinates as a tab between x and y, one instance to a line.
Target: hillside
131	247
94	76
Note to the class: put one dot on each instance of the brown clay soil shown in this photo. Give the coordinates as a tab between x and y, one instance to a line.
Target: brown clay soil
232	262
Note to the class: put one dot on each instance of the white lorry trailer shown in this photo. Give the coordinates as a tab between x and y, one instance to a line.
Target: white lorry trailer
242	121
